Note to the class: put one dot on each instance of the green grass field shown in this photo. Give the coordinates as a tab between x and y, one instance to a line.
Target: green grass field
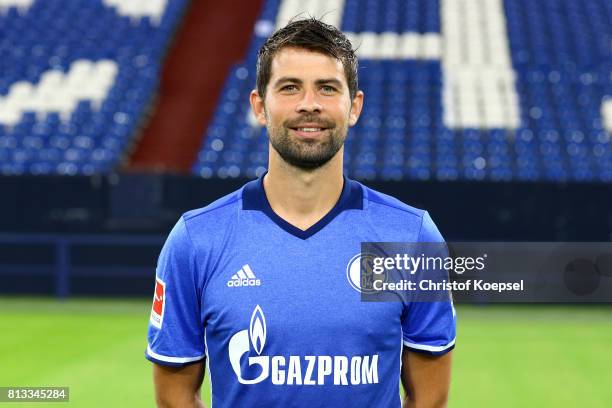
520	356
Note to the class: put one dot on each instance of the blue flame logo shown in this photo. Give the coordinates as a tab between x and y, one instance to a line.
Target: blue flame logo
257	330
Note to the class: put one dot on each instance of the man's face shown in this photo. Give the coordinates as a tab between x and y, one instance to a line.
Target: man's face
307	108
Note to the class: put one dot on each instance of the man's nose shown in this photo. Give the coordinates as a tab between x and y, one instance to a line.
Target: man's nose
309	102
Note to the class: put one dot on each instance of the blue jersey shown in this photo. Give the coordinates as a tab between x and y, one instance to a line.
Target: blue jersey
277	310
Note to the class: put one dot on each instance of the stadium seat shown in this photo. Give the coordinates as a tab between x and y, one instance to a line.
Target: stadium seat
73	91
535	94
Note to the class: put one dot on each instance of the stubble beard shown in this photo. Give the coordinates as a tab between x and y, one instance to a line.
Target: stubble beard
307	155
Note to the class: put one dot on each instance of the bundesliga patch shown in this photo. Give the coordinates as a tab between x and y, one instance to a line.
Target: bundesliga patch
159	300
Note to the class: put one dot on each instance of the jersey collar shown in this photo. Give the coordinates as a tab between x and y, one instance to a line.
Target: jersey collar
254	198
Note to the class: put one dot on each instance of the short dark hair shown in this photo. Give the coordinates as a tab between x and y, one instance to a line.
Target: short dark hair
313	35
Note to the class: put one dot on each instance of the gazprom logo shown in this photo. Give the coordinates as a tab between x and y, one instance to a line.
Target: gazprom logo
296	370
239	345
257	330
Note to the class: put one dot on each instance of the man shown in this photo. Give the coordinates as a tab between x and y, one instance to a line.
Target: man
256	282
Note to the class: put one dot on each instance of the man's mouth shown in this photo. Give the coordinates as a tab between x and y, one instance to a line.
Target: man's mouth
308	132
308	129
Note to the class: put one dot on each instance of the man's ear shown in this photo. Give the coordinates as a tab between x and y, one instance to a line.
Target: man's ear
257	104
356	106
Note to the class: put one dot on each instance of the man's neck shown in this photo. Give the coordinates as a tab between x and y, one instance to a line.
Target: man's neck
303	197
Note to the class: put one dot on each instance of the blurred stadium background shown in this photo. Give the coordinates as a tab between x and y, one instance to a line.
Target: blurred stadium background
118	115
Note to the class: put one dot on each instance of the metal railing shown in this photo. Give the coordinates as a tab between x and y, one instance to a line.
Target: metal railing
63	267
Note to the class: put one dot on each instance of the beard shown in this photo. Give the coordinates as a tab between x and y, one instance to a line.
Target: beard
307	154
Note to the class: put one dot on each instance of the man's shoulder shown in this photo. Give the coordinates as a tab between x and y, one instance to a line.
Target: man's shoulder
221	208
383	202
389	213
224	204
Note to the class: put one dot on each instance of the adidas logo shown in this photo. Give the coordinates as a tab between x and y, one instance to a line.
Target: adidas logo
244	277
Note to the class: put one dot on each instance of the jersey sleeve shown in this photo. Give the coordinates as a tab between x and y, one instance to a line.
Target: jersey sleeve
175	334
429	327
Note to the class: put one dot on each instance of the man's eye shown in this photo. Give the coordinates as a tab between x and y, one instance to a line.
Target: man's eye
328	89
289	88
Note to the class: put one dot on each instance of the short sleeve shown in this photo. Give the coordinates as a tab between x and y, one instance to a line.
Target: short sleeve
175	334
429	327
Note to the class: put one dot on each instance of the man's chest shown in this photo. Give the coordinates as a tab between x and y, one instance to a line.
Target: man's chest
306	295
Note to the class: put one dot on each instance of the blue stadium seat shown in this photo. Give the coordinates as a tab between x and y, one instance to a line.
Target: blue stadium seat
561	56
53	35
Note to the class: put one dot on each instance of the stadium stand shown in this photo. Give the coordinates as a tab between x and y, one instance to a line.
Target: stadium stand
461	94
494	90
76	79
